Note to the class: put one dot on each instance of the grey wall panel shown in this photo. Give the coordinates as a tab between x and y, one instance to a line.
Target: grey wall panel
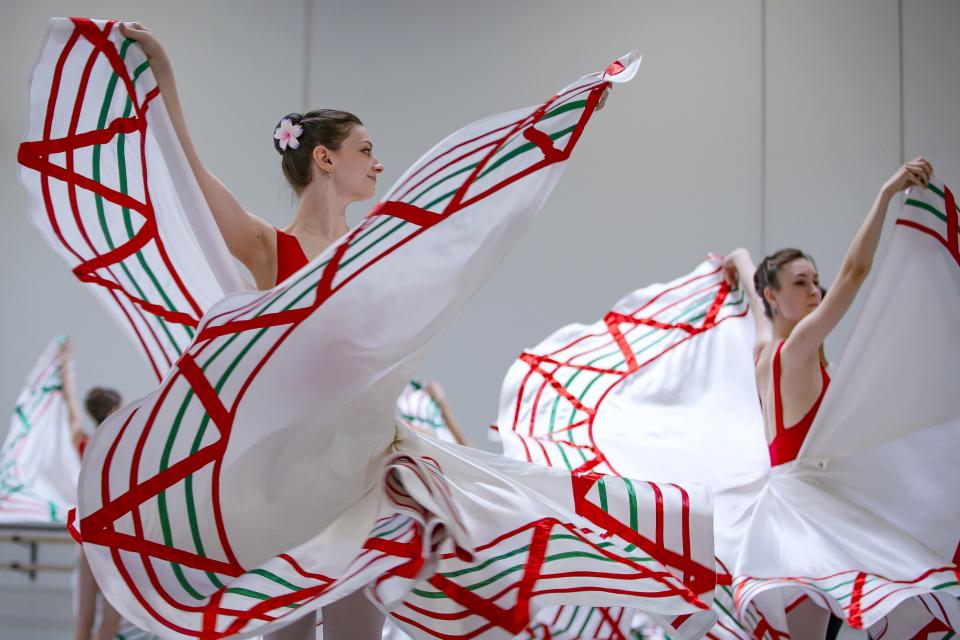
832	124
931	84
669	171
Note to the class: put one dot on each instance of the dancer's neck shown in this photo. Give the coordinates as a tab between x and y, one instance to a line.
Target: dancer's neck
321	214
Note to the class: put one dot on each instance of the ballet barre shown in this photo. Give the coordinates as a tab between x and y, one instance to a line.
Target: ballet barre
32	536
33	569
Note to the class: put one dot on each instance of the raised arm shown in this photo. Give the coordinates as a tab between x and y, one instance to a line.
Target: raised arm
738	265
809	334
69	389
247	236
436	392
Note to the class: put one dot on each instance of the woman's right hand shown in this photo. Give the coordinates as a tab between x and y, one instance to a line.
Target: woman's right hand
147	41
731	271
917	172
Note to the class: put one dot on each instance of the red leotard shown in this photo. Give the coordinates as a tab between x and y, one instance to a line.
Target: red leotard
290	256
788	440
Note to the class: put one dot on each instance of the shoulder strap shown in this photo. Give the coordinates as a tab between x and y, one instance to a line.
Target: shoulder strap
777	402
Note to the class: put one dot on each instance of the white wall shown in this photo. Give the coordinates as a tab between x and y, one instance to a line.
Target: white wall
667	172
832	123
751	122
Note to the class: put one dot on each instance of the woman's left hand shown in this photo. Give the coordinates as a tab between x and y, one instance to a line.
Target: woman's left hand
603	98
916	173
148	42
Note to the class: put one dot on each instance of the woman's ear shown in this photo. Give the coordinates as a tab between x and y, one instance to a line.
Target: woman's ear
771	297
321	158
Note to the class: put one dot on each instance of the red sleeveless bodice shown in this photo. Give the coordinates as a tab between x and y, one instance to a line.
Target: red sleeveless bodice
788	440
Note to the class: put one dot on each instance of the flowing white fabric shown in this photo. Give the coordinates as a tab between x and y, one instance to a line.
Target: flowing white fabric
39	463
660	388
866	522
111	191
266	477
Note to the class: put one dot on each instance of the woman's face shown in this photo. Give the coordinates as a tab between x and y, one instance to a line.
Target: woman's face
355	168
799	291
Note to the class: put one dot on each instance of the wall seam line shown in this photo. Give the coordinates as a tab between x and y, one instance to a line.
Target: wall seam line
763	127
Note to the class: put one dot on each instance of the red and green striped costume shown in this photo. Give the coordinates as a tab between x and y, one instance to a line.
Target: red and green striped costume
265	476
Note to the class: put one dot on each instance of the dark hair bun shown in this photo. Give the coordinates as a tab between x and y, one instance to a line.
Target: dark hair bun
101	402
294	118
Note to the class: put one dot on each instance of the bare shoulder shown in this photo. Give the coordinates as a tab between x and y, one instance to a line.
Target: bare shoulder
260	256
763	353
799	354
761	349
763	365
264	234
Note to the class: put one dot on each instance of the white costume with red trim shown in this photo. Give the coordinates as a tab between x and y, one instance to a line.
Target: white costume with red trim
39	463
865	522
265	477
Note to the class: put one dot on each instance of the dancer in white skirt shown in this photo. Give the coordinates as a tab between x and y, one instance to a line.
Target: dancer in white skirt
39	460
39	466
792	320
266	477
855	518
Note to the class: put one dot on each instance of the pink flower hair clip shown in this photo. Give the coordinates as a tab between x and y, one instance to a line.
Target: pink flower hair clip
287	134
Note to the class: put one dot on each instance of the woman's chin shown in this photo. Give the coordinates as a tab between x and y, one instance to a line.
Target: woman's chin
362	197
